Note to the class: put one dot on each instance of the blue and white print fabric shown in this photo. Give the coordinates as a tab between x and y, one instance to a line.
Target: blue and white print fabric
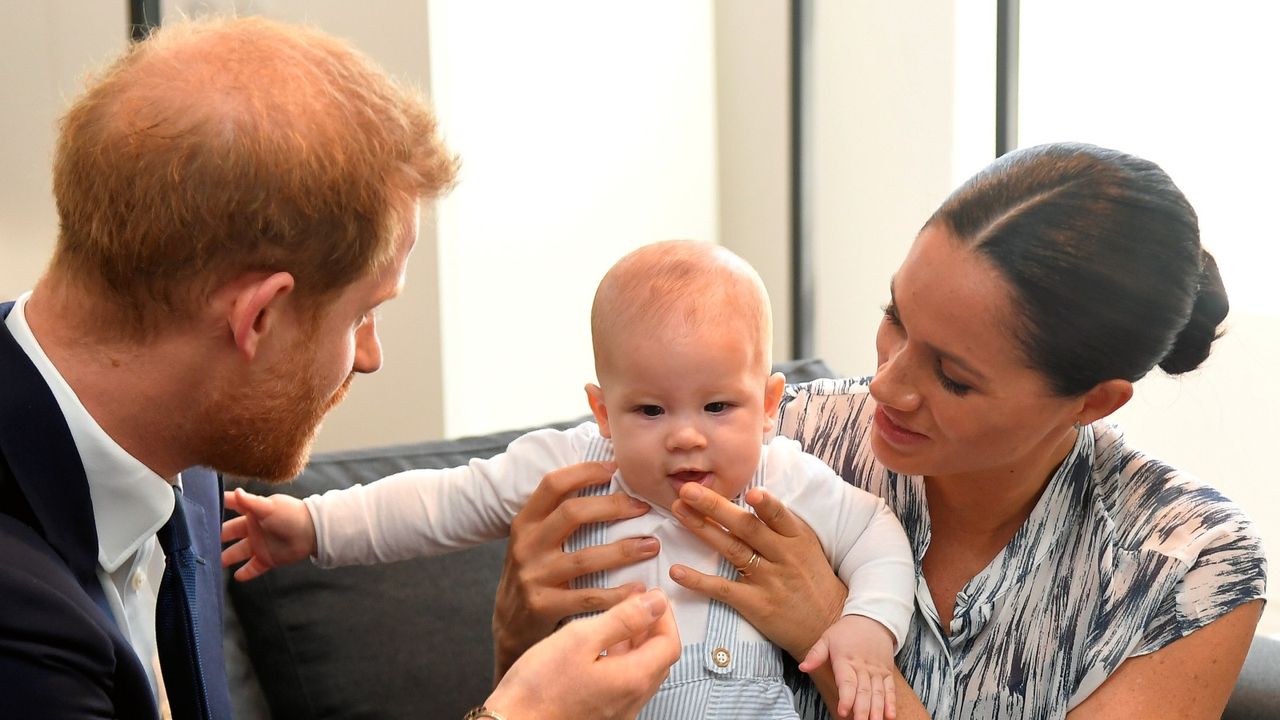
1121	556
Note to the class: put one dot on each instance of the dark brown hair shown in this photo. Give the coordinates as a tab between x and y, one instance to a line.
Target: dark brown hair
1103	254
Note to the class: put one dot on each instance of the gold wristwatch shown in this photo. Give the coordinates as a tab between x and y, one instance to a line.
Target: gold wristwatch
482	712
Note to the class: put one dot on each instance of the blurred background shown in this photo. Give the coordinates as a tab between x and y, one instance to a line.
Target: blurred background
813	137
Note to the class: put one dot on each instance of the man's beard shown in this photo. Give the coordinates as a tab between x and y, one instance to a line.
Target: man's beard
265	429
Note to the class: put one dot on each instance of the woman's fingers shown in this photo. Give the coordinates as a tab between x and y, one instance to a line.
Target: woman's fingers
546	498
726	543
742	524
533	593
735	594
563	568
770	510
573	513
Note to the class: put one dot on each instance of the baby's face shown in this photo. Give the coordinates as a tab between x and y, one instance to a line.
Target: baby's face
690	408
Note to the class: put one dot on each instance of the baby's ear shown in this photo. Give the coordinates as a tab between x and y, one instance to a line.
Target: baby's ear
595	398
772	398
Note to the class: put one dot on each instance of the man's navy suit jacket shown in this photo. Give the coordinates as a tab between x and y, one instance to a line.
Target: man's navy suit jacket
61	654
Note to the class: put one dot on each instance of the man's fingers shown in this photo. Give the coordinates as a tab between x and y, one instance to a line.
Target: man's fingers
632	618
659	647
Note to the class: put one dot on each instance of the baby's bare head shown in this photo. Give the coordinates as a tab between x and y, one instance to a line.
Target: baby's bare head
676	289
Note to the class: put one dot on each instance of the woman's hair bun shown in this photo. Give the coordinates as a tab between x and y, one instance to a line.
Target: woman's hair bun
1191	346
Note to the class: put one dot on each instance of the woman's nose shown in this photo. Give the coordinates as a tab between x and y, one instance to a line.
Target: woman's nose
894	382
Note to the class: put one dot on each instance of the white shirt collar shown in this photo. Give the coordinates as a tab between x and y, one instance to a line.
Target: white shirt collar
130	501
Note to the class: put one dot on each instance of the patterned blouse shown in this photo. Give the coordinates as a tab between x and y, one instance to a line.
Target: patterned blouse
1121	556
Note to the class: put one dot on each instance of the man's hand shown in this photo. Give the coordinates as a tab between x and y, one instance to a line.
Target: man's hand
271	531
568	675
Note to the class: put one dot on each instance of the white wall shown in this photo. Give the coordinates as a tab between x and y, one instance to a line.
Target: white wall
586	129
753	100
883	128
48	48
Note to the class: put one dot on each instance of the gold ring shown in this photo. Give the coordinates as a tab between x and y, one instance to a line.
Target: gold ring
752	564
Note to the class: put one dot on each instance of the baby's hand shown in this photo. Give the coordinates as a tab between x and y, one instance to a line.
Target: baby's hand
861	654
272	531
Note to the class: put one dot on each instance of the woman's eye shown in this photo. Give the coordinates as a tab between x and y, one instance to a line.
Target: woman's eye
650	410
891	314
716	408
951	386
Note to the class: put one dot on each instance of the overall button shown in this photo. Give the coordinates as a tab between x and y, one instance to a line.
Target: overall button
720	657
139	577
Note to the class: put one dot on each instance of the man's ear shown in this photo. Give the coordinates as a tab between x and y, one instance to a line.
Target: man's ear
595	398
1103	399
255	306
772	398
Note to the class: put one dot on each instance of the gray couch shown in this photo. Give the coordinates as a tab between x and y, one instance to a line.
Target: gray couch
412	639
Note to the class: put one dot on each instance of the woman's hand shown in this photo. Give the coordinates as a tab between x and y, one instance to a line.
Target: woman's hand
534	593
791	594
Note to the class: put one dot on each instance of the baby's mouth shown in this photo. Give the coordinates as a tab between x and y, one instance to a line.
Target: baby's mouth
687	476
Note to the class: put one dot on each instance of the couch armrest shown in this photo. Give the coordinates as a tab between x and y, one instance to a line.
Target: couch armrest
1257	692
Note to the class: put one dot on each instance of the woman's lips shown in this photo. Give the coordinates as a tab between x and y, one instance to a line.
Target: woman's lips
894	433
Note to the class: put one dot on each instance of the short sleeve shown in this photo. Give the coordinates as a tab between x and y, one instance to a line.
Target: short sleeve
1229	571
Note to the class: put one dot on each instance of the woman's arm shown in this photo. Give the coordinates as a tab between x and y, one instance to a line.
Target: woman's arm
1188	678
534	593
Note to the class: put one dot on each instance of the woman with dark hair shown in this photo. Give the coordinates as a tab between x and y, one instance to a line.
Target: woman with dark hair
1061	571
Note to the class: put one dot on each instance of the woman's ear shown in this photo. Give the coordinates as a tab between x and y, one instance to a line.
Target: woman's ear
1103	399
595	398
772	399
254	309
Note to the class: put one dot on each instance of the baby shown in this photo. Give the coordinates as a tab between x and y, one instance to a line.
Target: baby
682	336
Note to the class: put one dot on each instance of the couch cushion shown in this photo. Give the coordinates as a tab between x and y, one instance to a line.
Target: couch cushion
409	639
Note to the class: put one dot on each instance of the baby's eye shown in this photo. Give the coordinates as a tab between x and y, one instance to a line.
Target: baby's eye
650	410
716	408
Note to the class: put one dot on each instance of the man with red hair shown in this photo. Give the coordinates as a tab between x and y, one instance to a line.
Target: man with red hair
236	198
